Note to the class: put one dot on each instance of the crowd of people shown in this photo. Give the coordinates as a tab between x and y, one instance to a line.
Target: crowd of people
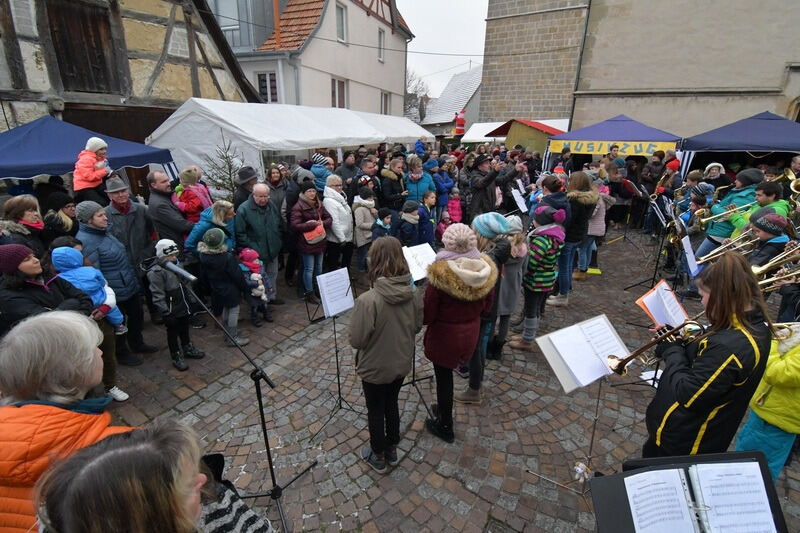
99	256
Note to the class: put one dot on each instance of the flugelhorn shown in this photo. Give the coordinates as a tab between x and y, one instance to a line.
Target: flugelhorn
619	365
744	240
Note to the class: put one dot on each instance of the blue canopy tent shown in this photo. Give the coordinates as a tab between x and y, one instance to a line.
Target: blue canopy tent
51	146
764	132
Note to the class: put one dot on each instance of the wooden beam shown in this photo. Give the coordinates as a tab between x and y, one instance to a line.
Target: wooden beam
209	68
120	49
190	40
148	89
16	66
48	51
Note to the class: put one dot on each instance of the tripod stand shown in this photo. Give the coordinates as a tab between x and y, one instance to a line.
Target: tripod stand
415	381
257	375
341	403
652	279
582	470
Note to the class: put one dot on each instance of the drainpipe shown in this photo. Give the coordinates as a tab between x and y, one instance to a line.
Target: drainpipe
292	61
580	62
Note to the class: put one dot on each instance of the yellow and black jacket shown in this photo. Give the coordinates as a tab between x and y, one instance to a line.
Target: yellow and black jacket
705	388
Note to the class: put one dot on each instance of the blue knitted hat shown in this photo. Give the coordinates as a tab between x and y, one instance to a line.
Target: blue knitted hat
431	163
490	225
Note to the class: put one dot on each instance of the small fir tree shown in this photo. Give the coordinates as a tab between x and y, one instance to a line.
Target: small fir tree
221	170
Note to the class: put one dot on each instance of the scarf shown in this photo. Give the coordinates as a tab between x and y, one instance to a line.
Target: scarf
367	203
413	178
122	208
411	218
35	225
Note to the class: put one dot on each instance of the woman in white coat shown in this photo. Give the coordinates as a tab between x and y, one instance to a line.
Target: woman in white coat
339	252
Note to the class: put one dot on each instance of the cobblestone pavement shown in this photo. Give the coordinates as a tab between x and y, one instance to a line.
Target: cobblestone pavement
482	482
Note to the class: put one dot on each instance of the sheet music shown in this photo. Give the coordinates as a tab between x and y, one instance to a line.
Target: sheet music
662	306
733	496
335	292
691	260
585	346
520	201
658	502
521	186
419	258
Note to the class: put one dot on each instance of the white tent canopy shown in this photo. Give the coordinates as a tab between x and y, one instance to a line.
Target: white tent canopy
477	132
198	127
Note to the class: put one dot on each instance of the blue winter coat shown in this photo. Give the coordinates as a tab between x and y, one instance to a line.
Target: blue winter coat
443	183
108	255
417	190
379	230
321	174
69	263
419	147
427	227
206	223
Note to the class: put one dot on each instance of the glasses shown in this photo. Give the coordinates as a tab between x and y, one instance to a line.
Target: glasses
337	186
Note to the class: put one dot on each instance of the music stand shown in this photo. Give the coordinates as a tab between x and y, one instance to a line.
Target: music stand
662	237
415	381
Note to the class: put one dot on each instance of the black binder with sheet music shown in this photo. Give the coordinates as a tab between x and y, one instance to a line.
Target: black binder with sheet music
695	493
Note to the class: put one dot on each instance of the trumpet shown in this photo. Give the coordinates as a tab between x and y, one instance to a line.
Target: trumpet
744	240
790	254
774	283
692	328
704	221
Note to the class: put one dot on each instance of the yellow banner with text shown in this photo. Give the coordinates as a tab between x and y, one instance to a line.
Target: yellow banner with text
626	148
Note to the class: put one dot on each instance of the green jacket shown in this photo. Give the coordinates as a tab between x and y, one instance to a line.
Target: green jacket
259	228
778	395
723	228
740	220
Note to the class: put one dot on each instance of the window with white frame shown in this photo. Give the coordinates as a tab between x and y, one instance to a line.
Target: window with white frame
386	103
268	87
341	23
381	44
338	92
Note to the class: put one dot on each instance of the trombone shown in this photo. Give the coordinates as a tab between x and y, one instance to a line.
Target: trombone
692	328
744	240
704	221
789	255
773	283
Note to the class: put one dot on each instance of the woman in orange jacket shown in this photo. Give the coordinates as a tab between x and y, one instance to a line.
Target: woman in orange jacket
90	170
48	364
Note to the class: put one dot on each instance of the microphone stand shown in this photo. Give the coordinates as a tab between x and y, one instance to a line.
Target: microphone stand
257	375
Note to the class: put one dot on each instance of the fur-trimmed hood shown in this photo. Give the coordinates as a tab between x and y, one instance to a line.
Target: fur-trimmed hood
10	226
584	197
444	275
386	173
204	249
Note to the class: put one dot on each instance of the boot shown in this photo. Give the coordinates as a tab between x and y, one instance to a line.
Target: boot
311	298
468	395
267	312
579	275
559	300
190	352
443	432
178	362
494	349
241	341
531	326
522	344
254	319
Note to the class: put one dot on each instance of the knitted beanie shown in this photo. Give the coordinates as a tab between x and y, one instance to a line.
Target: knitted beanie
248	255
674	165
166	247
188	176
431	163
544	215
410	206
214	238
85	210
11	255
702	189
772	223
490	225
384	212
514	224
619	162
95	143
319	159
57	200
750	176
459	238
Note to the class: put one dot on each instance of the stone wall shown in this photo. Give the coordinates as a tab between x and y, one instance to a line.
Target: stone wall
531	58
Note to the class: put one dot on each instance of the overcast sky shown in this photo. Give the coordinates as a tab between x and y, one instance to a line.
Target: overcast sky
444	26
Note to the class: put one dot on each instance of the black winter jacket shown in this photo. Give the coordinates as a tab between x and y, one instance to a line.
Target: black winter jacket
16	233
766	250
392	186
167	219
706	387
224	275
582	204
484	194
20	299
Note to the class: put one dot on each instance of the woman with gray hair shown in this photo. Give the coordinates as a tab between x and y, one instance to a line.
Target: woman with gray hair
48	365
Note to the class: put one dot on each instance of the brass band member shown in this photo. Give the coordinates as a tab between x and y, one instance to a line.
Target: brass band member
707	384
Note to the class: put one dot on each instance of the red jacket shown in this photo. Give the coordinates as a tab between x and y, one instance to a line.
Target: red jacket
33	436
85	176
191	200
453	311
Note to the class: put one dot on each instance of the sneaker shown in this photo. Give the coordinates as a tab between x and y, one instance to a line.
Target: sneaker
463	371
435	428
196	323
178	361
129	359
373	460
468	395
558	301
595	271
521	344
117	394
190	352
579	275
390	455
122	329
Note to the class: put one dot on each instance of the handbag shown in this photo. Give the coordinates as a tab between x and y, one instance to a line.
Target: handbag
315	235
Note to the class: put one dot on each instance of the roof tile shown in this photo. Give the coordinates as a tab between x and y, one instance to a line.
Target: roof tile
298	20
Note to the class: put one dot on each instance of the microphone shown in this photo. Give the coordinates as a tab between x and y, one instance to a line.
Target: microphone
175	269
